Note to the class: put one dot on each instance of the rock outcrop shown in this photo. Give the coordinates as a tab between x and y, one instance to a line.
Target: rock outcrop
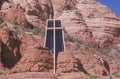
35	59
75	25
13	15
31	75
24	12
91	35
101	22
66	63
1	65
0	46
96	62
18	51
34	40
60	5
10	53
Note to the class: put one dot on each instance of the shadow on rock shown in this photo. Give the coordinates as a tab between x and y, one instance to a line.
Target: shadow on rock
10	53
81	68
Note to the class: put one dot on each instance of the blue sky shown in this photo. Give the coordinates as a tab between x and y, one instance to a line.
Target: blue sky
113	4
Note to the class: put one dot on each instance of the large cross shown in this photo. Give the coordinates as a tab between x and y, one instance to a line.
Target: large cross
54	38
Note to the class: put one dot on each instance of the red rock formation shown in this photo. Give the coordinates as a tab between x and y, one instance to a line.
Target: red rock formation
34	40
1	65
14	15
99	19
92	32
67	63
81	19
101	22
22	12
35	59
60	5
10	53
30	75
93	61
47	8
0	46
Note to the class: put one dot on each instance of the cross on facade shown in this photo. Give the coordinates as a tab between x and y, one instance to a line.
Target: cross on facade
54	38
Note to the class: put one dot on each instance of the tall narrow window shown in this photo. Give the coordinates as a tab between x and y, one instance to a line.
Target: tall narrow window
54	36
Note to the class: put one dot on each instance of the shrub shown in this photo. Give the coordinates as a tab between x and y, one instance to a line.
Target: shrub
14	22
3	73
38	31
69	39
34	31
1	21
92	77
117	75
78	43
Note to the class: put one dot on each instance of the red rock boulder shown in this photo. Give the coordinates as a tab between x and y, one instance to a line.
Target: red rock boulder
35	59
1	65
66	63
14	15
10	53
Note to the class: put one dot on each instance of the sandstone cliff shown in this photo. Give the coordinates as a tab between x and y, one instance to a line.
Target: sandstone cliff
24	12
102	23
91	40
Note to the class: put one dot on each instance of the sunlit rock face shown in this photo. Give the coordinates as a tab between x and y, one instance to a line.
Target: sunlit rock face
102	23
41	9
35	59
30	11
9	54
78	16
1	65
92	34
98	17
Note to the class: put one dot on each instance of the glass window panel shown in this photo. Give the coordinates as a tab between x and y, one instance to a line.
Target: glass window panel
50	40
59	41
50	23
57	23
